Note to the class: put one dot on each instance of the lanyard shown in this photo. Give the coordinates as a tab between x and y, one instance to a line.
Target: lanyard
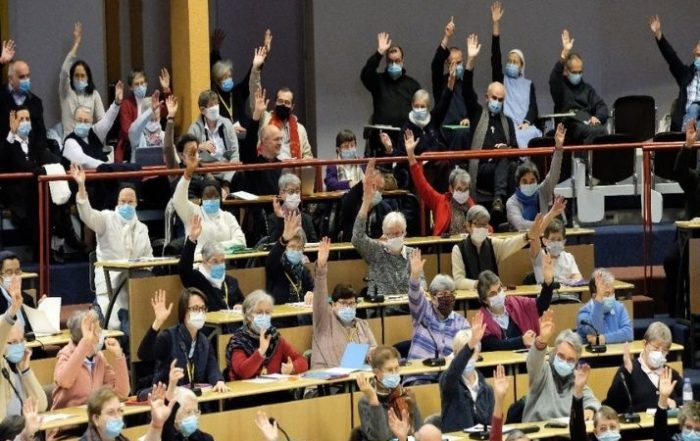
228	108
295	287
190	371
225	293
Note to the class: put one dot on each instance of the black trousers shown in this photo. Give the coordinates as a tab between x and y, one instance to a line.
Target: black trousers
497	172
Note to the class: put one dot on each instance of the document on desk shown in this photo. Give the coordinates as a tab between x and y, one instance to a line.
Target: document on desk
260	380
55	417
46	318
244	195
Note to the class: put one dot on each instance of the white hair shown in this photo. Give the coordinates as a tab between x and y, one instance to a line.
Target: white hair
571	338
252	300
422	94
211	249
221	68
605	276
459	175
442	282
460	340
82	109
658	331
477	212
287	179
394	218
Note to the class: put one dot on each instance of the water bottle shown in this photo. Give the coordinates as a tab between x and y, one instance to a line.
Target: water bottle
687	391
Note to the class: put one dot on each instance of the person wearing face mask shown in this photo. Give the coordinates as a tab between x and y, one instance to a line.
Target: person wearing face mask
344	176
295	140
288	201
22	384
10	271
217	225
604	312
82	367
188	346
521	105
254	351
146	131
606	422
387	258
76	88
688	416
492	130
120	235
391	91
554	239
478	252
183	423
643	373
335	322
135	105
222	290
384	393
531	196
571	94
687	77
511	321
467	400
552	382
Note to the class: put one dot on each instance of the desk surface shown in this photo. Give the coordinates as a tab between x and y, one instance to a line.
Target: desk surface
63	338
313	197
693	224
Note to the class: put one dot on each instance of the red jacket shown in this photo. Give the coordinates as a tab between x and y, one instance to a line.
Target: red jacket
243	367
127	115
440	204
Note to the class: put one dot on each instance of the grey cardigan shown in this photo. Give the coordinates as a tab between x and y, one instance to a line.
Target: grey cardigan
374	421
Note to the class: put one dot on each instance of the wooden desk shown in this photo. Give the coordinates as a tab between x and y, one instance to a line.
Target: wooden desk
63	338
321	196
688	304
78	415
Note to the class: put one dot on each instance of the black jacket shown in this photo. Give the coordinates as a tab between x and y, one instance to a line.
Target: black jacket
430	136
174	343
689	180
259	182
568	97
275	226
644	392
36	112
278	276
457	110
475	112
683	74
497	75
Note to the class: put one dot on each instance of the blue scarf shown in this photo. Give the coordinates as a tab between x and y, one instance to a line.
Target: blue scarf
530	204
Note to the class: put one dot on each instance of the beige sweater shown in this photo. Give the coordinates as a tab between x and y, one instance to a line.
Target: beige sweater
502	249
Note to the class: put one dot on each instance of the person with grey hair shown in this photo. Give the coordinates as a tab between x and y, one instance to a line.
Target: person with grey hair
222	290
257	348
603	312
477	252
552	382
688	417
215	134
287	201
642	374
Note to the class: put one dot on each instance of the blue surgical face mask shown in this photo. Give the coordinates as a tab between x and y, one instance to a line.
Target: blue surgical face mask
609	435
82	129
470	367
459	71
227	85
25	85
80	85
114	427
376	198
690	435
575	79
15	352
512	70
420	114
261	322
495	106
608	304
697	63
346	314
211	206
126	211
563	368
528	189
394	70
24	128
217	271
140	91
294	256
391	381
348	154
189	425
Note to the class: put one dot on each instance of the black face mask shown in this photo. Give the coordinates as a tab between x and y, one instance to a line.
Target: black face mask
282	112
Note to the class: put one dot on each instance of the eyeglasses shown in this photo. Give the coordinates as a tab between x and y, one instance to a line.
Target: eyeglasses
347	303
441	294
114	412
290	191
10	273
197	308
190	412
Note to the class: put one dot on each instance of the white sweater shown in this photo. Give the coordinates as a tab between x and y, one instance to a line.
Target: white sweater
70	100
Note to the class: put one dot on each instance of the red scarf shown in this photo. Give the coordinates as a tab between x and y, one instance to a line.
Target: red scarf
294	144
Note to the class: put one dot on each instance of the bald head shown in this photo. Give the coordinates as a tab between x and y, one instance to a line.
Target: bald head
495	93
17	71
496	88
271	137
428	432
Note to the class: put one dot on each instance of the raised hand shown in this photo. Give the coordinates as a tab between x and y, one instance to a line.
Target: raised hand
78	174
264	342
155	100
14	122
113	347
260	104
164	79
259	57
567	43
365	386
89	327
160	412
288	367
410	142
176	374
400	426
195	228
537	227
217	38
324	248
691	134
369	186
23	364
581	374
627	358
160	311
292	223
416	263
269	430
171	105
666	382
559	136
547	326
500	383
32	419
558	207
383	42
529	338
496	12
191	158
267	40
118	92
655	26
16	295
449	31
386	142
8	51
478	329
452	77
547	268
77	32
473	46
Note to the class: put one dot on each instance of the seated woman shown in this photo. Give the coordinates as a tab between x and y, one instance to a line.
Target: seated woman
120	235
288	201
554	238
335	323
256	348
642	374
218	226
183	423
106	421
222	290
688	416
606	423
191	348
511	321
345	176
382	393
608	316
466	398
287	278
530	197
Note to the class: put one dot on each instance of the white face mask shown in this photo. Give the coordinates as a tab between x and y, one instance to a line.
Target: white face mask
461	197
555	247
499	300
292	201
212	113
395	244
656	359
197	319
479	234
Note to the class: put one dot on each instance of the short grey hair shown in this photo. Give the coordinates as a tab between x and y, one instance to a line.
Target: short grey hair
211	249
287	179
76	320
221	68
605	276
183	395
252	300
82	109
658	331
442	282
205	97
477	212
572	339
422	94
459	175
394	218
486	279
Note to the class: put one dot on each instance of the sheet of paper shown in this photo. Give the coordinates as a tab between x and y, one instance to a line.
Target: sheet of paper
339	371
55	417
46	318
260	380
275	376
244	195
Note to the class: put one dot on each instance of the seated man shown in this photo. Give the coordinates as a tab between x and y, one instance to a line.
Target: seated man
565	269
552	382
606	422
10	270
120	235
571	94
603	312
288	202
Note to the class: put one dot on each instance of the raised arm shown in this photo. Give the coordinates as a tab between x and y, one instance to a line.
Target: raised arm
441	54
468	93
577	420
185	266
95	220
500	389
322	313
443	104
255	83
496	57
184	208
369	76
666	387
417	302
169	153
536	364
459	363
362	243
545	298
64	77
552	179
675	64
556	78
69	366
102	127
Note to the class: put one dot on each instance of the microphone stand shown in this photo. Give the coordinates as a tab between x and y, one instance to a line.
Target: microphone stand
596	348
437	360
630	416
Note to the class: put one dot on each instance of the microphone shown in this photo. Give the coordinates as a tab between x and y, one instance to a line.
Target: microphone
631	416
375	297
6	374
596	348
286	436
437	360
